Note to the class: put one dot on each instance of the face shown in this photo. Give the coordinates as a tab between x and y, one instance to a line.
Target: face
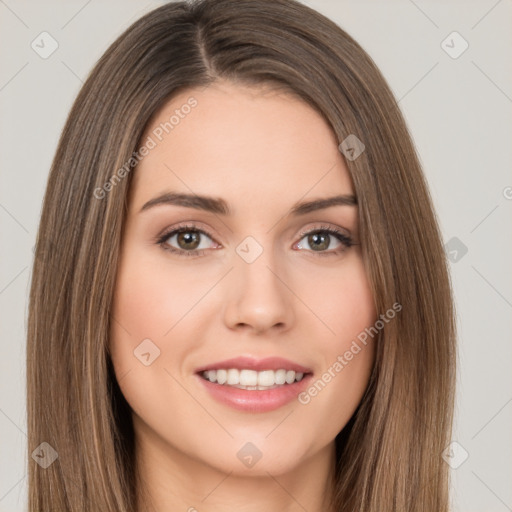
235	315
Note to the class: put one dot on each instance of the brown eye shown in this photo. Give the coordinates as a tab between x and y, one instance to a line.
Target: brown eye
319	240
188	240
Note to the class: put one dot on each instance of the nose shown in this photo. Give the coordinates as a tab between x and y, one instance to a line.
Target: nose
258	297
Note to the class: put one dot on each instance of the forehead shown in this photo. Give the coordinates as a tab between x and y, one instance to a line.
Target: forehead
253	146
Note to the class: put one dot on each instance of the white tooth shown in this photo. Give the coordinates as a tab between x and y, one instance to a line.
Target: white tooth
248	378
266	378
251	379
233	376
222	376
280	377
290	376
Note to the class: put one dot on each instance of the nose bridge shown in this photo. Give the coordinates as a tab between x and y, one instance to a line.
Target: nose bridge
258	296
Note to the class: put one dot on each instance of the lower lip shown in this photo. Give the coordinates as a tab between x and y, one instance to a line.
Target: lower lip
255	400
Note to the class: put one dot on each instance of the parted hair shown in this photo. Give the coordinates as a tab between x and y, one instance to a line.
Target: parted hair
389	455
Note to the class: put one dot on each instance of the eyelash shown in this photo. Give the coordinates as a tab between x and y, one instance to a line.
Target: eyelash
346	240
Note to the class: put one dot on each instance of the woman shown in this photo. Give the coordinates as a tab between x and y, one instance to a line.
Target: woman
240	297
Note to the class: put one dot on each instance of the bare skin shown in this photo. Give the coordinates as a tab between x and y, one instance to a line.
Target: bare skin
261	151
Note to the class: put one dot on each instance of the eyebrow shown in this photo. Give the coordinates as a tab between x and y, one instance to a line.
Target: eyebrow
219	206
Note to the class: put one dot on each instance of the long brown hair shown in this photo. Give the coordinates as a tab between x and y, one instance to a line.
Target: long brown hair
389	454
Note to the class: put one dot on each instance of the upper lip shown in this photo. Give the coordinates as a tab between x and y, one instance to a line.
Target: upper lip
251	363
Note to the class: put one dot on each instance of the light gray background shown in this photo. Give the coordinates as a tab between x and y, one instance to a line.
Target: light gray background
459	113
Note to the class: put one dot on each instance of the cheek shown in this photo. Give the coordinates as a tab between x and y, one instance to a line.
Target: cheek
144	308
342	301
150	299
347	309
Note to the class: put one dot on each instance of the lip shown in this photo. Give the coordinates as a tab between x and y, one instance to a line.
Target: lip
250	363
255	401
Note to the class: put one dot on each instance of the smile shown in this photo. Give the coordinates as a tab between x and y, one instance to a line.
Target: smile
251	385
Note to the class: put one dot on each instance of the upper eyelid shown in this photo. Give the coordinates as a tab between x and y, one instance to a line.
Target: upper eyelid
187	226
196	226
